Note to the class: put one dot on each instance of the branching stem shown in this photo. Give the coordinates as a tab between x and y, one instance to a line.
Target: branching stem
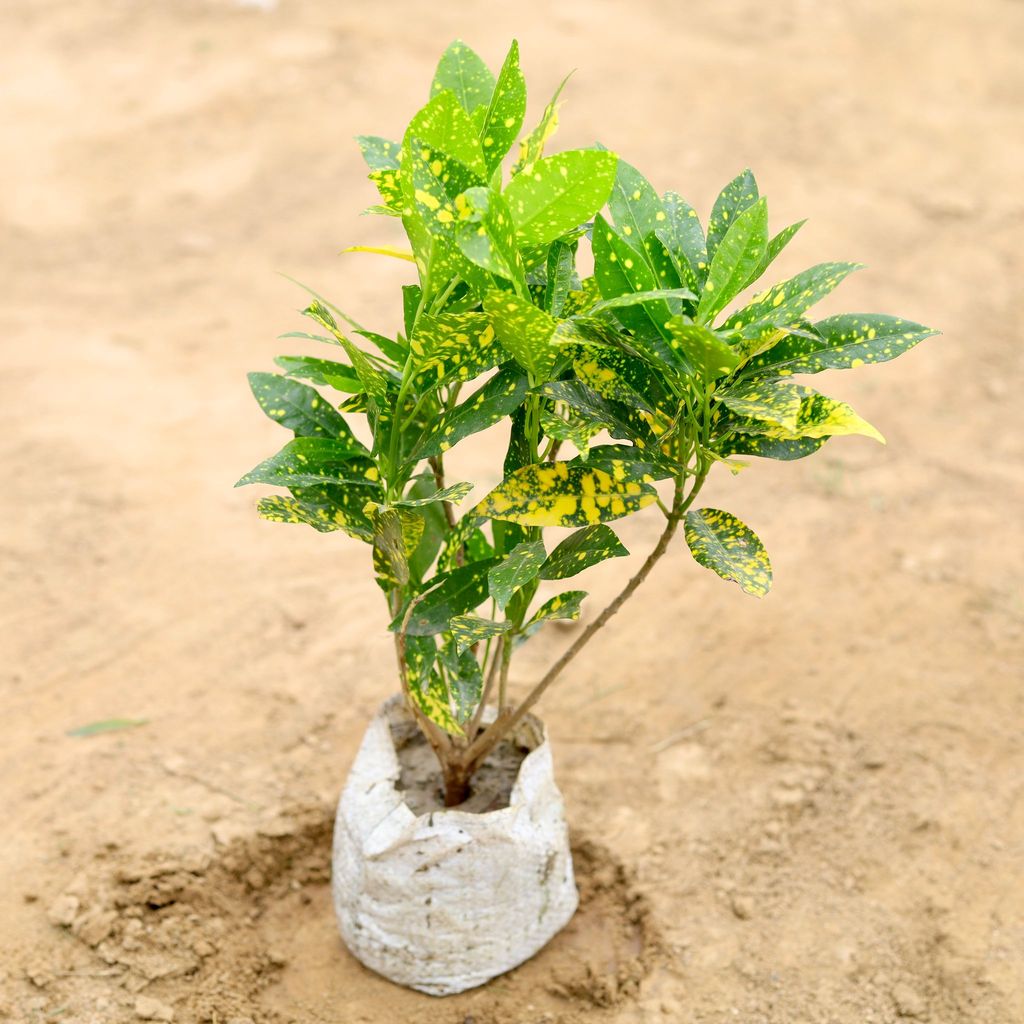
509	719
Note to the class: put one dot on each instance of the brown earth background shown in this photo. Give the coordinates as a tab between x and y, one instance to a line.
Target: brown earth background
805	810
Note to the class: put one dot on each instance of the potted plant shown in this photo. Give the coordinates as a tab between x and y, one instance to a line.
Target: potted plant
615	392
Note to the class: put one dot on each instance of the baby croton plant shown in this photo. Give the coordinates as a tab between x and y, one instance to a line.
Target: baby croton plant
611	392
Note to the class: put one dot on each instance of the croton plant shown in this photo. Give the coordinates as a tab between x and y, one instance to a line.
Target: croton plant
603	386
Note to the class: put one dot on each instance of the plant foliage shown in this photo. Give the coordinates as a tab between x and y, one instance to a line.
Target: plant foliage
672	347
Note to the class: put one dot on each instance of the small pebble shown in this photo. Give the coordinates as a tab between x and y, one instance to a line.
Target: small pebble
62	910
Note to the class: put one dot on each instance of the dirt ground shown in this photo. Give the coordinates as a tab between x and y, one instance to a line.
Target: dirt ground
806	810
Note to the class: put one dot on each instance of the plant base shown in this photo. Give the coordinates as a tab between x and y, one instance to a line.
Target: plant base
445	900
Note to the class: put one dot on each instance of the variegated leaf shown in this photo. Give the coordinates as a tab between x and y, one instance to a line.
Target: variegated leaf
620	270
461	71
390	561
742	442
309	461
562	606
531	149
775	245
301	409
505	111
568	425
460	591
454	346
454	494
847	340
737	255
561	494
468	630
503	393
707	353
638	298
373	381
561	277
581	550
420	655
524	330
787	302
432	699
486	235
683	236
465	680
379	154
560	192
324	508
721	542
389	184
789	411
516	570
337	375
445	126
601	413
740	193
637	210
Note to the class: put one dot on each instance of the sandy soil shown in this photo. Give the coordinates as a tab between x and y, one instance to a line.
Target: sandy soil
808	810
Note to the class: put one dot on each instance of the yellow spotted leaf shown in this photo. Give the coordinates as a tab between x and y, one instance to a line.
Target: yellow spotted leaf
721	542
565	494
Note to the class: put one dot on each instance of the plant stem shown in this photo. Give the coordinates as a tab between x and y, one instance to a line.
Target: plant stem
507	720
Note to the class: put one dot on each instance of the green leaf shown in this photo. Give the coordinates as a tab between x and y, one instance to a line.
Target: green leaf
569	427
531	149
444	125
637	298
465	680
325	508
465	74
620	271
420	655
524	330
766	447
454	346
301	409
775	245
373	381
468	630
600	412
339	376
107	725
562	606
787	302
560	277
505	111
581	550
708	354
503	393
720	542
560	192
637	210
379	154
460	591
784	410
740	193
390	561
486	235
619	376
308	461
389	184
739	253
561	494
642	464
455	493
847	340
519	567
684	237
433	700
